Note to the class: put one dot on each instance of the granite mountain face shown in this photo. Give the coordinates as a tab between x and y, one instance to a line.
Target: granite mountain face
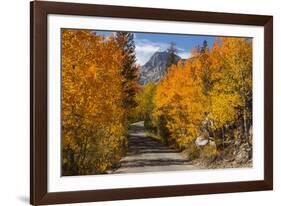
155	68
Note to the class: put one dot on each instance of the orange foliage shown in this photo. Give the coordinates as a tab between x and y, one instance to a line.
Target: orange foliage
179	97
92	114
214	85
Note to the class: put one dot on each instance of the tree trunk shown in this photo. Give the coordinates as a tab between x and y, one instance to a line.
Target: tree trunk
245	125
244	107
223	135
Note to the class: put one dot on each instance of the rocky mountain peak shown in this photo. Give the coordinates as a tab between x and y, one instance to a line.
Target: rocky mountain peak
155	68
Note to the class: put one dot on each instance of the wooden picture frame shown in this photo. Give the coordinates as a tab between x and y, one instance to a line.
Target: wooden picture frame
39	97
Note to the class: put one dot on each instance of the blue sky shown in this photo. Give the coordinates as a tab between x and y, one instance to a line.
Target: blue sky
148	43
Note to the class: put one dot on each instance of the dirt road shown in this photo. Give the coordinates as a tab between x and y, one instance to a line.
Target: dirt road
146	154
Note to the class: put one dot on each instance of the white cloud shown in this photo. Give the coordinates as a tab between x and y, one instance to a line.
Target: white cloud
144	52
184	55
146	48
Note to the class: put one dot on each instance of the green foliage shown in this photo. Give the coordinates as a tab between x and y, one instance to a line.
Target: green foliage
125	41
172	54
145	102
100	95
162	129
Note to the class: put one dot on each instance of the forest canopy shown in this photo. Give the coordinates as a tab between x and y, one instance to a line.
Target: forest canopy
208	95
95	87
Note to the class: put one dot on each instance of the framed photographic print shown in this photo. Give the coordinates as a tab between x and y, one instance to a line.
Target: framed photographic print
133	102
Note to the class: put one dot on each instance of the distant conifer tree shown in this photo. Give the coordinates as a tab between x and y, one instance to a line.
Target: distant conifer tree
126	42
172	54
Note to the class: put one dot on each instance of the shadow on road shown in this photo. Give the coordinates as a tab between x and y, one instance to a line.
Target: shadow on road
154	162
147	154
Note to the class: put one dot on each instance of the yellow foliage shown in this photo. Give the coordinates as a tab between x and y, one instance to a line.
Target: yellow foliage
145	102
214	84
231	94
179	98
209	152
92	113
